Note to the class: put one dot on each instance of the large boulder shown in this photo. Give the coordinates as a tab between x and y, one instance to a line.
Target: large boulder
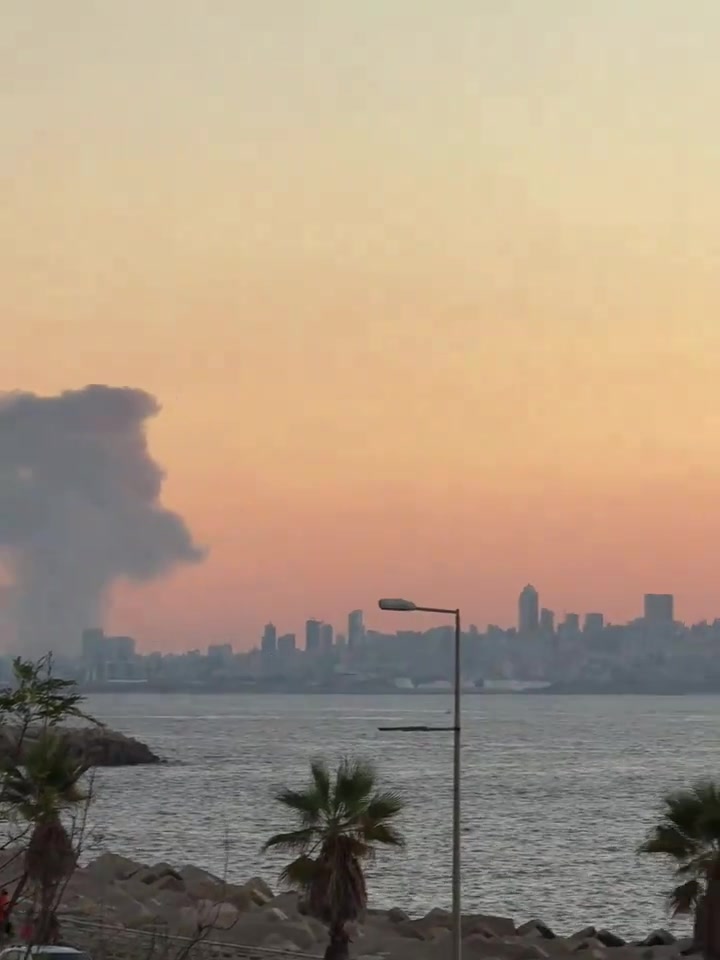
396	915
488	926
110	868
154	875
217	917
609	939
658	938
259	890
201	884
535	929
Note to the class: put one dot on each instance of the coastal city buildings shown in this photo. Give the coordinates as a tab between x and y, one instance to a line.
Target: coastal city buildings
573	652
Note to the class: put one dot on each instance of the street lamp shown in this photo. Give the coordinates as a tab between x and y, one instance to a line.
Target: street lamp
407	606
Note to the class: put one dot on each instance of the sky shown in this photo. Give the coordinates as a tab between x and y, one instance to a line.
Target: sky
428	292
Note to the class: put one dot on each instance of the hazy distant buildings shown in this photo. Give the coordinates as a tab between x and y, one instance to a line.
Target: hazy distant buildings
659	608
356	630
268	644
594	623
327	636
286	645
107	658
312	636
220	654
528	610
547	620
120	649
93	654
93	640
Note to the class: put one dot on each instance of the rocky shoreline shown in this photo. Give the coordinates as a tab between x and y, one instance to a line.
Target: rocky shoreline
116	893
96	746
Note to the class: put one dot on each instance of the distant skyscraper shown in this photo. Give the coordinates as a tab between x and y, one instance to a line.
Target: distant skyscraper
269	639
356	629
94	654
547	620
594	623
120	648
93	645
327	635
528	610
286	644
312	636
659	607
572	622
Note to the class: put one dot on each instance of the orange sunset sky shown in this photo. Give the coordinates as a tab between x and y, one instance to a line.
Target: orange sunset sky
428	291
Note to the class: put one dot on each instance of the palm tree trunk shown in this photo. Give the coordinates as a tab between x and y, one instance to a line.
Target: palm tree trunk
708	916
46	931
339	946
699	924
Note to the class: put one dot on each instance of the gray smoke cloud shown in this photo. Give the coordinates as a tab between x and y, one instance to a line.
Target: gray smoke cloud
80	508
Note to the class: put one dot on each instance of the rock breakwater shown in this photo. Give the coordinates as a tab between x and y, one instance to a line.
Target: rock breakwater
114	892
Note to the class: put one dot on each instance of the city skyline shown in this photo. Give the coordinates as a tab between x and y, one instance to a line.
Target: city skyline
652	654
316	634
427	293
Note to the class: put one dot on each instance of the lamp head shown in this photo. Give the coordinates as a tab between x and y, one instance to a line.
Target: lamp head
396	604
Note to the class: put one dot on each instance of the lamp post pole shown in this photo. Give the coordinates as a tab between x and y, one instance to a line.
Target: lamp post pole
406	606
456	872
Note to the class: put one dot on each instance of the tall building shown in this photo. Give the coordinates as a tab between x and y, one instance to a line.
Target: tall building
528	610
312	636
268	644
286	644
94	654
659	608
594	623
327	635
572	622
93	644
120	648
356	629
547	620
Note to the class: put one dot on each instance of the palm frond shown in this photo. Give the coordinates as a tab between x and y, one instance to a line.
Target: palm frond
299	874
354	783
306	803
690	810
684	897
292	841
321	780
700	866
384	833
666	838
385	806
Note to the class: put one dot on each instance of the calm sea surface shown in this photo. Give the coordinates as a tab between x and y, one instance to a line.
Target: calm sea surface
557	791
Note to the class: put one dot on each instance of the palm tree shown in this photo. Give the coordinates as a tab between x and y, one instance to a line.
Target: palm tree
689	833
341	819
44	785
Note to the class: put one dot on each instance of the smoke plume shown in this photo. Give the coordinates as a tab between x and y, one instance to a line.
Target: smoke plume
79	508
